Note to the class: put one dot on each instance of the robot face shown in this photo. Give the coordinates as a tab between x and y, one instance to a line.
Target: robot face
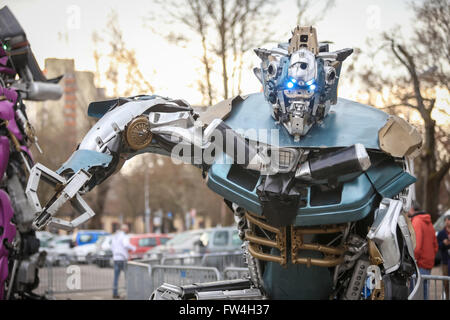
301	76
300	79
298	91
302	66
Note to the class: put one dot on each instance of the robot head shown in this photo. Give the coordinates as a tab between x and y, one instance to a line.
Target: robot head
300	80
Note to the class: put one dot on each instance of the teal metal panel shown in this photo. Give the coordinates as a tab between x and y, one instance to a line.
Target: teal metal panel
98	109
396	185
218	182
356	203
348	123
356	200
85	159
297	281
388	178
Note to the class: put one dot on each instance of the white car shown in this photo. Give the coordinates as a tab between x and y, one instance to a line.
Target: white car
87	253
103	257
183	242
84	253
104	243
59	250
45	238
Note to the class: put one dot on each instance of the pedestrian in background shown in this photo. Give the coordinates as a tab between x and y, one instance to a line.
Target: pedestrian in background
426	243
120	246
443	239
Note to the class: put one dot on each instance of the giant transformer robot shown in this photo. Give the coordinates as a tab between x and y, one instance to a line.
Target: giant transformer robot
20	79
319	185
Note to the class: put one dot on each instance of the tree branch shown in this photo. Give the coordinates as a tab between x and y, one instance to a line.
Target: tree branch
440	174
416	82
405	104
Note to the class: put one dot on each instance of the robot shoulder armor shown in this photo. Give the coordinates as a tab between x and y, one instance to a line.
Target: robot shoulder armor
220	110
399	139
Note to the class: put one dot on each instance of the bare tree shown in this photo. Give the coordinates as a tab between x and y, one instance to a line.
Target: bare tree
239	25
253	29
174	188
305	17
226	29
120	57
192	14
420	66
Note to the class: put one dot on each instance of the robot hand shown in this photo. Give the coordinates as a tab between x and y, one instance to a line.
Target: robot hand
65	190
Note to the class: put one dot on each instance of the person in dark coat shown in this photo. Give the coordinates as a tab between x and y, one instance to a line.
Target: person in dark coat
443	239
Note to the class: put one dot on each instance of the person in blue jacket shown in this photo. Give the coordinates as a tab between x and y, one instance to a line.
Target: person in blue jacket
443	239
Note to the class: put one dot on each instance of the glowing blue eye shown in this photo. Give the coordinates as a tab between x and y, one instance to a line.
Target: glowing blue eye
312	87
290	85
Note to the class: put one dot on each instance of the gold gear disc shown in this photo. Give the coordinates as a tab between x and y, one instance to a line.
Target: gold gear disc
138	134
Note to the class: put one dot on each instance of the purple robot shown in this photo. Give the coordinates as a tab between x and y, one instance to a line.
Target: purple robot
19	247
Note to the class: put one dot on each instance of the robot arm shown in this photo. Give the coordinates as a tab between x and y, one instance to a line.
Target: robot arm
129	127
31	83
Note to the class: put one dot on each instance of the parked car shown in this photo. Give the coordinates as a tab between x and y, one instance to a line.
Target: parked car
60	250
147	241
83	237
218	239
183	242
85	253
104	257
45	238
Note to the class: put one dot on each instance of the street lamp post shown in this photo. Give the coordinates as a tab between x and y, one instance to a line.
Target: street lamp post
147	213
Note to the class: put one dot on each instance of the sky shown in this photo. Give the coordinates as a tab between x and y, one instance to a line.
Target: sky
64	28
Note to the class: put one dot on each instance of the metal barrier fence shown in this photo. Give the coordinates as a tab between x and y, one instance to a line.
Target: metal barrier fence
144	278
181	275
151	262
438	287
69	279
139	283
61	281
221	261
233	273
182	260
